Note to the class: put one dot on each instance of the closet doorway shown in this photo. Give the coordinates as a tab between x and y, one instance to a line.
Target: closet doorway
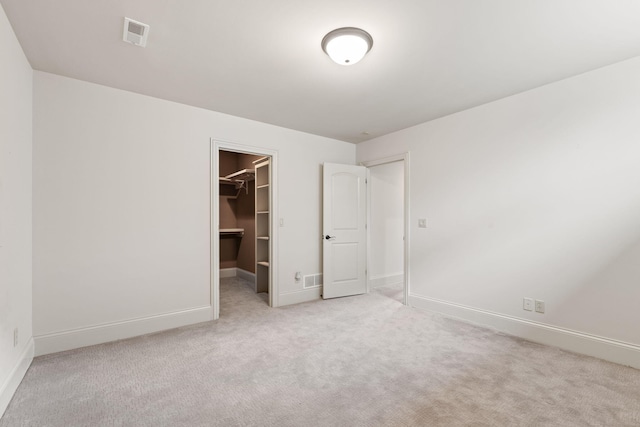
243	213
388	234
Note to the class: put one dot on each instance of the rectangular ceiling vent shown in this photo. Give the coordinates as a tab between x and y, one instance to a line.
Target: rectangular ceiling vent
135	32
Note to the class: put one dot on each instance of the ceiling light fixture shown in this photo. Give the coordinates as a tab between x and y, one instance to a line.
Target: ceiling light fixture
346	46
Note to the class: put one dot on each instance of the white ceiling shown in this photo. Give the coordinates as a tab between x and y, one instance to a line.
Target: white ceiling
261	59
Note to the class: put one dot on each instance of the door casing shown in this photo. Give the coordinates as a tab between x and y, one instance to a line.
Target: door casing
216	146
405	158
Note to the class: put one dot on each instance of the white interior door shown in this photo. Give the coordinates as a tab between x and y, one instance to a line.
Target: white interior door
344	238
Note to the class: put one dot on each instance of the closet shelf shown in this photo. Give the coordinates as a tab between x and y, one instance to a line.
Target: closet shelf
239	180
263	229
242	175
238	232
260	160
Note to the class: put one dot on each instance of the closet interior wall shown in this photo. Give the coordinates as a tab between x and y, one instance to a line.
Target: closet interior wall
237	212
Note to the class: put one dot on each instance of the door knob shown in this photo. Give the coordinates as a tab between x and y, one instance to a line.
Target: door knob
327	237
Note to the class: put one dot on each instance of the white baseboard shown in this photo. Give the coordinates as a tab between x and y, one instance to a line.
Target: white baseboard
394	279
246	275
68	340
228	272
300	296
238	272
578	342
9	387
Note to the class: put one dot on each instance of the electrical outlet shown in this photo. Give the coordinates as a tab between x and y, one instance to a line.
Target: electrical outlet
15	337
527	304
539	306
298	276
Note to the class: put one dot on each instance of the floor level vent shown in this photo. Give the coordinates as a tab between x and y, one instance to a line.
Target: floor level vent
312	280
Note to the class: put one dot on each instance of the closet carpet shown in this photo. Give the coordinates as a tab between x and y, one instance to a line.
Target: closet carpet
357	361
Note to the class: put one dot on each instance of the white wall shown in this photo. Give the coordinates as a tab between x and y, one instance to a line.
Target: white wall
386	228
15	212
121	209
536	195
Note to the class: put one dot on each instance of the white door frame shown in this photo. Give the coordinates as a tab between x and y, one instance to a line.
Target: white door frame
404	157
216	146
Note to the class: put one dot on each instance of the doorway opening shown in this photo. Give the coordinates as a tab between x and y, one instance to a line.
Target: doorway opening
387	232
242	214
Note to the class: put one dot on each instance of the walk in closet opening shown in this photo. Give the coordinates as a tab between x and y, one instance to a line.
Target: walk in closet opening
244	218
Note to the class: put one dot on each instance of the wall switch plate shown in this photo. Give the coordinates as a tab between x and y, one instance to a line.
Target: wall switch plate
422	223
527	304
539	306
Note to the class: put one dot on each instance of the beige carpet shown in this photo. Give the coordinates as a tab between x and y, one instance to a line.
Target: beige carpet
358	361
395	292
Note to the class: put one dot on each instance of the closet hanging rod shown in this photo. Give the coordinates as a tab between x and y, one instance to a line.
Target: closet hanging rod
238	232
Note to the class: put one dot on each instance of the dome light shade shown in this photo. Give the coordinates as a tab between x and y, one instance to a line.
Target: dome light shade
346	46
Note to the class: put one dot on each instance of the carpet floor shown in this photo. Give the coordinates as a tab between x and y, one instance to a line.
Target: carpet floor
395	292
358	361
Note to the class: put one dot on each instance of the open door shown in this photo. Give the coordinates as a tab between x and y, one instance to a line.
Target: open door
344	239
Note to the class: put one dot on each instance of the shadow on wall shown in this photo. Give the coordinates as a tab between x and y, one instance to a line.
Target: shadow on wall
611	283
229	249
549	208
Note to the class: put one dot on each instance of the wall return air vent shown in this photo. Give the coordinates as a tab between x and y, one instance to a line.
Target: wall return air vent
135	32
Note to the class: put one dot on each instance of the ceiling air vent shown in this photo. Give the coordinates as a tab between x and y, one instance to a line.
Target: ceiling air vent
135	32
